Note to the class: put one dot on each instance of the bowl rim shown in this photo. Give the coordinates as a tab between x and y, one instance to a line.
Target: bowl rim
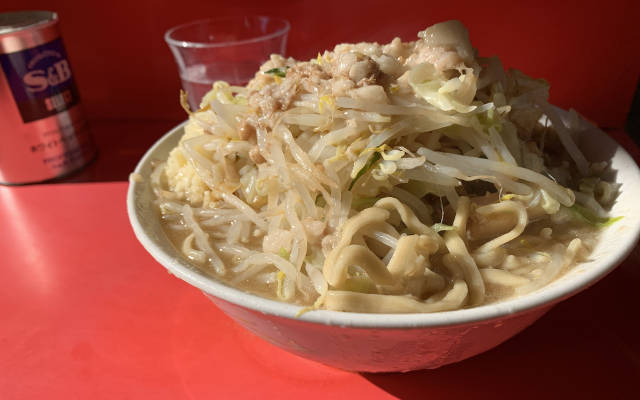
545	297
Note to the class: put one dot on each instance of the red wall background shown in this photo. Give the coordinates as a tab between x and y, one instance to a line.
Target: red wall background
587	50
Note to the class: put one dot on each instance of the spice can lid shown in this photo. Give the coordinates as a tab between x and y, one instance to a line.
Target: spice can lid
18	20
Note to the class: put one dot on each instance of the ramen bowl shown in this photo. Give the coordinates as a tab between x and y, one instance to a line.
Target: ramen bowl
393	342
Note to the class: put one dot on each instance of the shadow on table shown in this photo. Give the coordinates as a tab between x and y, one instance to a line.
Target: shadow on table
586	347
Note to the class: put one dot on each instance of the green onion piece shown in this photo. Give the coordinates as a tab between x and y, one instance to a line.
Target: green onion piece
372	160
586	215
281	72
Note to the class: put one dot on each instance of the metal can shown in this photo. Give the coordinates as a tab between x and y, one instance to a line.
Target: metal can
43	131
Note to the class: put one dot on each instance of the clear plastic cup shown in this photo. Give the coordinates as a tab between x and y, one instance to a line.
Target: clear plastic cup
230	49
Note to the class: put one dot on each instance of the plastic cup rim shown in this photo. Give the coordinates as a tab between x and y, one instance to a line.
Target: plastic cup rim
190	44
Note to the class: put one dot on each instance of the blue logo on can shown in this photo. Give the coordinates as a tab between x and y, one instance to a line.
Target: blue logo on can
41	80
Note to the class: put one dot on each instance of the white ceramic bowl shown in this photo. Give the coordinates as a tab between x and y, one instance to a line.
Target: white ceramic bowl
394	342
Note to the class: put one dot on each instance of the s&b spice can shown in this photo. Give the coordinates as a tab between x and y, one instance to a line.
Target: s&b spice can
43	131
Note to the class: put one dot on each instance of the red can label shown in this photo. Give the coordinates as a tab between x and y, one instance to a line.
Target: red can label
40	80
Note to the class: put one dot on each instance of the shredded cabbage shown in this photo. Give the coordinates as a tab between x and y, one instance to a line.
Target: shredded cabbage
452	94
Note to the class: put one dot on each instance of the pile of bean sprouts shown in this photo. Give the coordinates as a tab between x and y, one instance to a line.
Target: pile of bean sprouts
404	177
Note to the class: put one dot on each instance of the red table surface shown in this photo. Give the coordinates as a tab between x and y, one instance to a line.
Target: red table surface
85	312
